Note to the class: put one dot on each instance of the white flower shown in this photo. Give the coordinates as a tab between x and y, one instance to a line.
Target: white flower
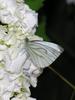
23	98
6	17
14	78
10	5
31	72
27	18
6	96
22	15
11	84
17	68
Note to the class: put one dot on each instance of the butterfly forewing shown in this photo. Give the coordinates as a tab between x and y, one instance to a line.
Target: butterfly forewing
43	53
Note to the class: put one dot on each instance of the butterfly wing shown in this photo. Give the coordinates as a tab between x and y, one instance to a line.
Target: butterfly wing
43	53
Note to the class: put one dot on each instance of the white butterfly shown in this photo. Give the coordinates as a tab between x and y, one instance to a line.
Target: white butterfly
42	53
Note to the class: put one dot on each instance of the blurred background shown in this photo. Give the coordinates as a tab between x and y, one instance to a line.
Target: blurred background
57	20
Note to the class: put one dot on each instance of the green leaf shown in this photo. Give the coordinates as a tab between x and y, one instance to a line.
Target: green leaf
35	4
41	30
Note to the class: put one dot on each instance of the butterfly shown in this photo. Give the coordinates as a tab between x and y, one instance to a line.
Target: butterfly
42	53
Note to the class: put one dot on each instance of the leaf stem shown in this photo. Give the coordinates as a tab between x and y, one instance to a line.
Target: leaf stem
63	78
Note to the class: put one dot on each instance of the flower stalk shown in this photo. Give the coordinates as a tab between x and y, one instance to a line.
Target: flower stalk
63	78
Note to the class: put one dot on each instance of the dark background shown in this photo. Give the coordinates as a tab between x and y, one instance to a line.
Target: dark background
60	28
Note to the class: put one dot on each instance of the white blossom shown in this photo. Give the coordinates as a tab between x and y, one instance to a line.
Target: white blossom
17	71
22	15
10	5
14	78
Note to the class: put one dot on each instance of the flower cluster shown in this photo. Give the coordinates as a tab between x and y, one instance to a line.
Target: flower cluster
16	71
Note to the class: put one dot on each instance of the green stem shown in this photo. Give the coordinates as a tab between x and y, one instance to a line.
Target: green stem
64	79
72	96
